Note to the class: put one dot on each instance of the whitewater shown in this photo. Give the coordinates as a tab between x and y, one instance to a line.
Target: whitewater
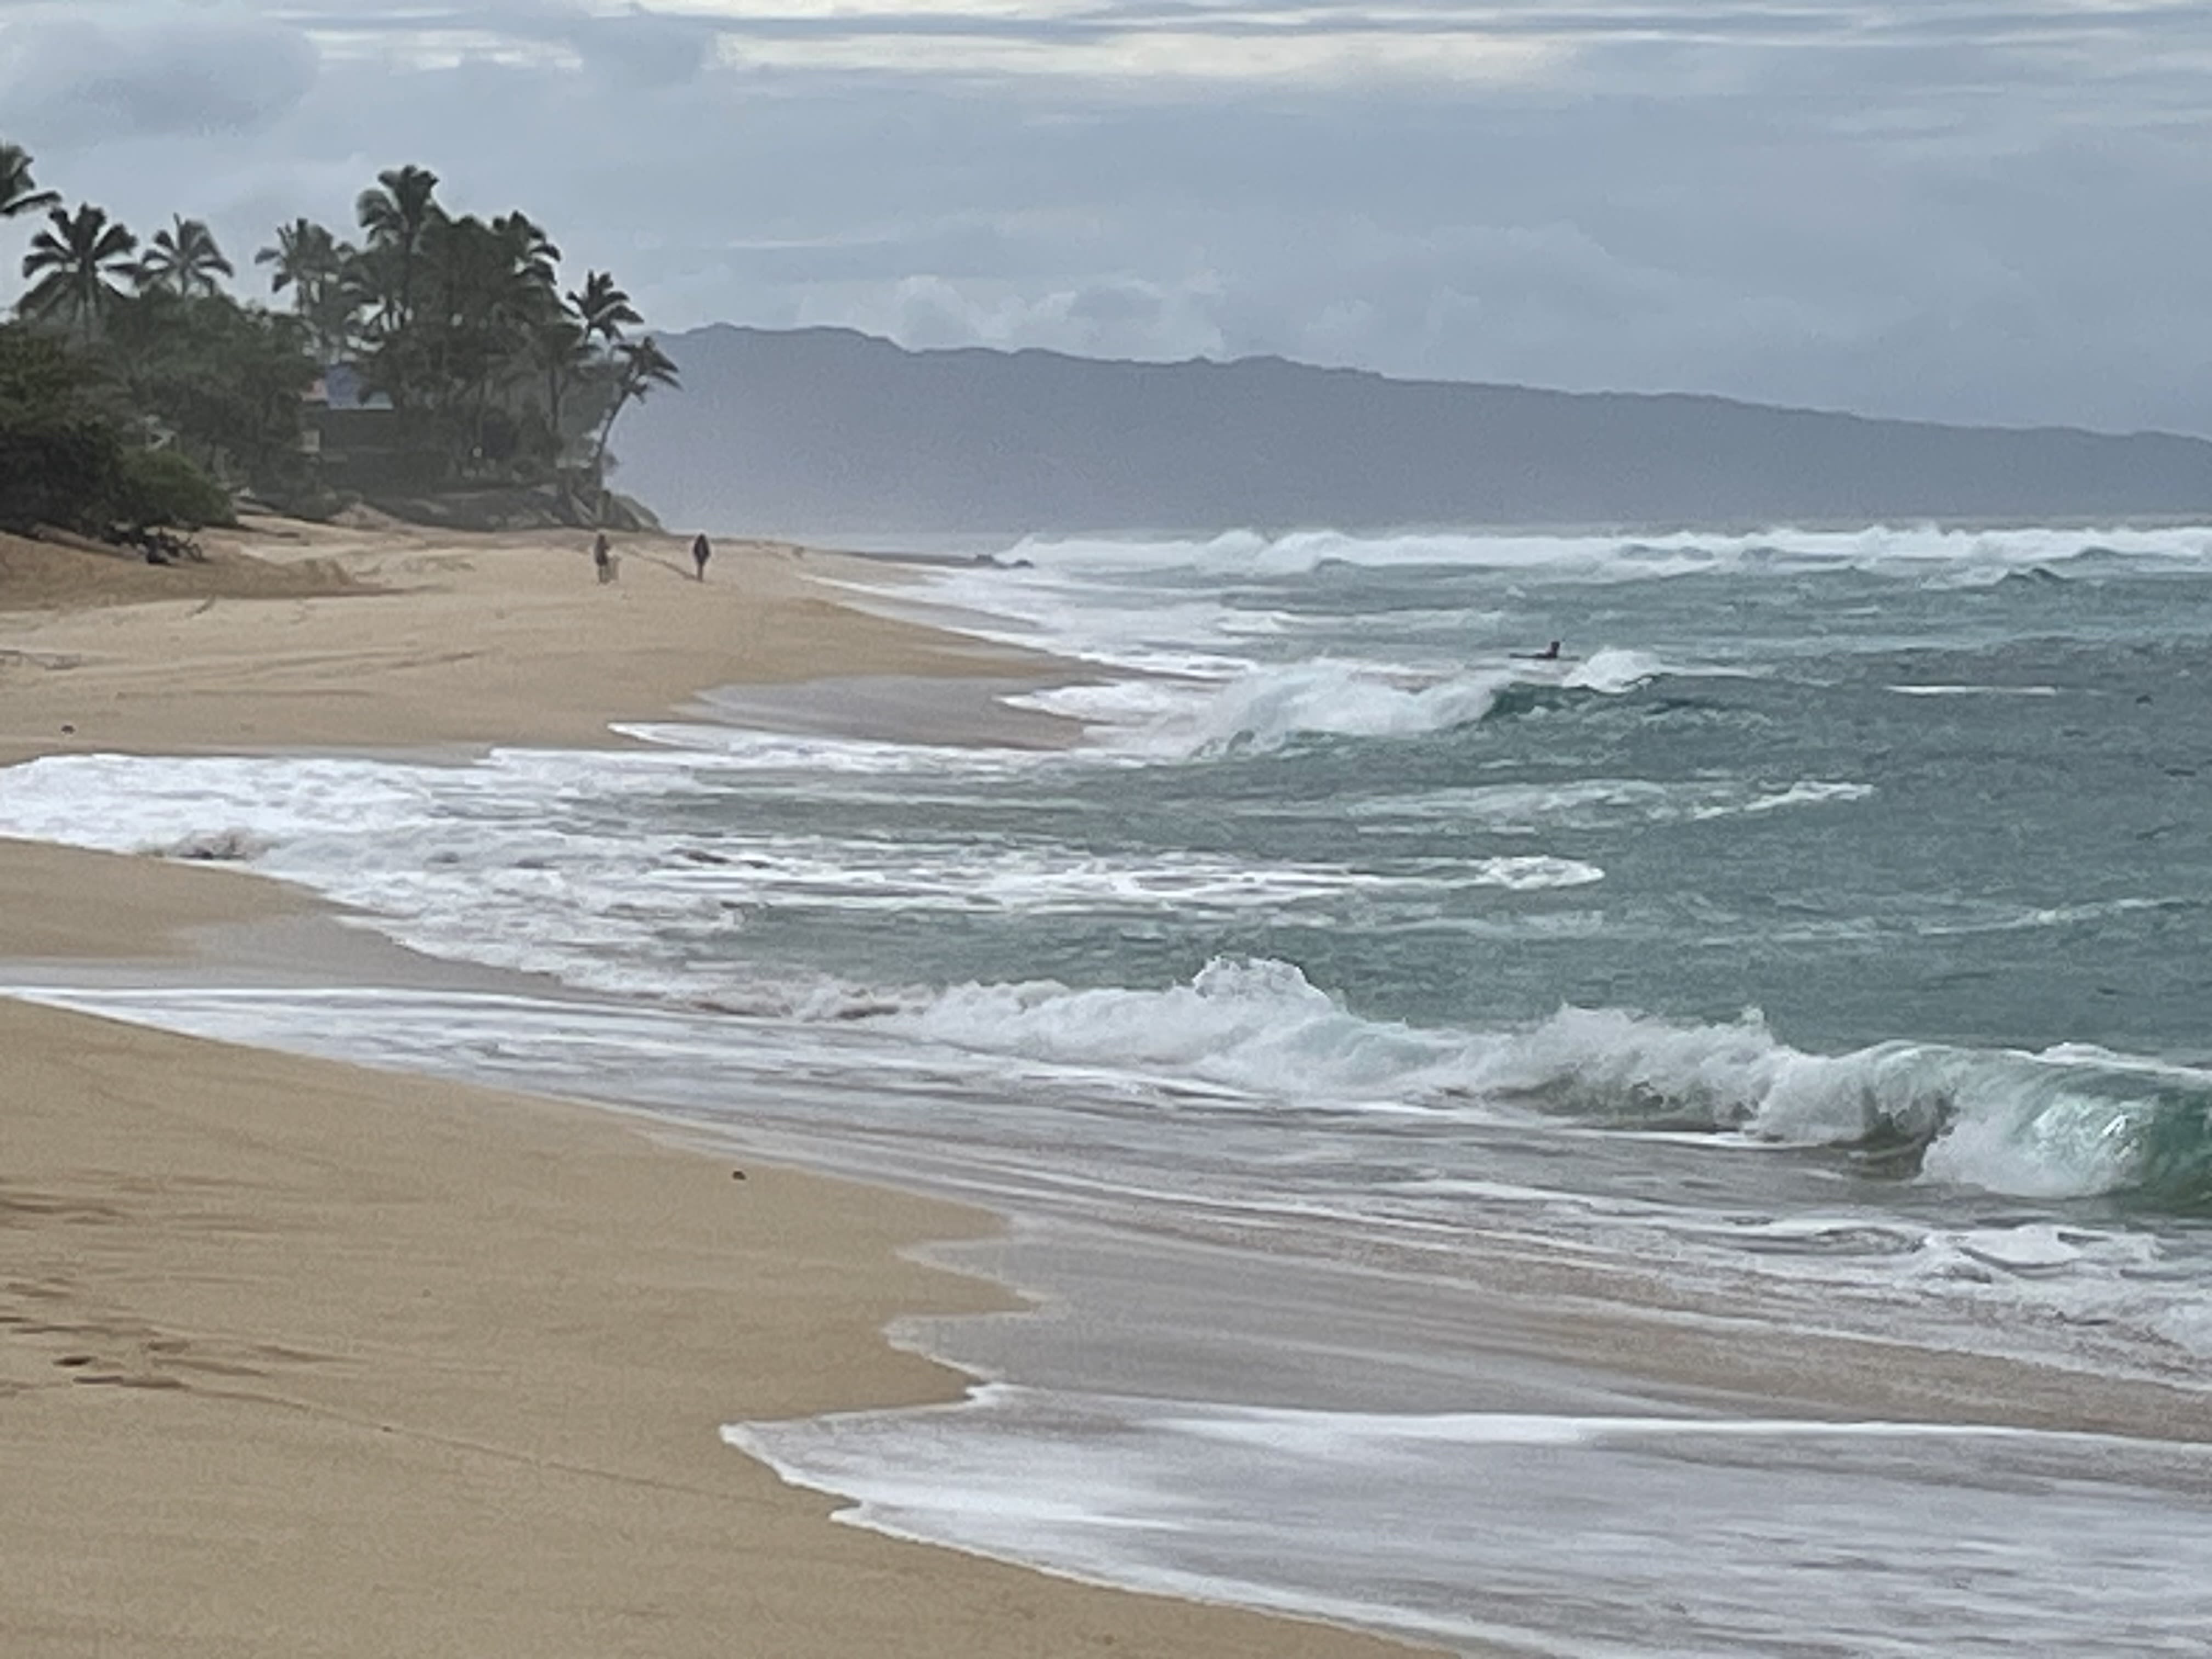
1377	1032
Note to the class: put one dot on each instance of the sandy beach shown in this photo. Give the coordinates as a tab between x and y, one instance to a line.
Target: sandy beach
298	637
299	1360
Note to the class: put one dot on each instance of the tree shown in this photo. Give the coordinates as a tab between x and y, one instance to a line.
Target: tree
64	459
643	367
219	380
394	217
603	309
530	252
184	260
303	254
561	353
60	453
75	267
19	194
461	321
311	262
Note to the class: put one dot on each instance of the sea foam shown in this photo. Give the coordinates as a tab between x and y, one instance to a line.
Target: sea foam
1261	708
536	862
1661	1533
1913	551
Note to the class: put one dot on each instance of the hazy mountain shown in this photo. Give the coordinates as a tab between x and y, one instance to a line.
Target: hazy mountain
826	431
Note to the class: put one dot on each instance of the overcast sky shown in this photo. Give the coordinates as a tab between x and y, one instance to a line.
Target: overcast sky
1936	208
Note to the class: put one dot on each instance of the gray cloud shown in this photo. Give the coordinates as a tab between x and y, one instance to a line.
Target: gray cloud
643	49
162	76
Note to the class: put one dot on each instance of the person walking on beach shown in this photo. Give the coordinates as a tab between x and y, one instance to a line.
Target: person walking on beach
602	557
700	552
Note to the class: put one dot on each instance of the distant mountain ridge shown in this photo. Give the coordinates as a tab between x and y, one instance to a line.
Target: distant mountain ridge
823	432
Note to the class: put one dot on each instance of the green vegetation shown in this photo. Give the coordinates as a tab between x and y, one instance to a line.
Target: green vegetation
156	487
77	266
67	459
18	193
61	453
136	389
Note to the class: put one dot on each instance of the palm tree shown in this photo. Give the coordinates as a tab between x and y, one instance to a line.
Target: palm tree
311	262
394	216
185	261
562	352
603	309
531	251
644	366
18	194
370	277
461	318
304	255
75	264
332	314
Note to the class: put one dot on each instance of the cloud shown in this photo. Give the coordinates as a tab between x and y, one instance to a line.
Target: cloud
1109	316
643	49
1154	55
172	74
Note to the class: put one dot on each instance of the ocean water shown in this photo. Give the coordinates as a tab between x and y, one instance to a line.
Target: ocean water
1443	1095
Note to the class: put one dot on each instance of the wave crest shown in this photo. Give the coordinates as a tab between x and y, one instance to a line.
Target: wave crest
1925	552
1262	710
2067	1122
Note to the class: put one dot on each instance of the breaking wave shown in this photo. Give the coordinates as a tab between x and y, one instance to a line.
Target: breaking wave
2067	1122
1913	551
450	861
1260	709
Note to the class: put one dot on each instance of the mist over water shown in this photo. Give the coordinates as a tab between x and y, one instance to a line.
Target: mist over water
1820	943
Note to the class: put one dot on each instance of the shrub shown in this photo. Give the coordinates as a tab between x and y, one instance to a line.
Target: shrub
160	487
57	473
59	452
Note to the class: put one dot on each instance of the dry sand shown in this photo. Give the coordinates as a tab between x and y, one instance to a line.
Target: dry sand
297	1359
436	640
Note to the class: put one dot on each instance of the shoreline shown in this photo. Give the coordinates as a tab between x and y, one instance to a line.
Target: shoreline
302	1357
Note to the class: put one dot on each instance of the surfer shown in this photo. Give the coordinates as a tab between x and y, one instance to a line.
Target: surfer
1549	653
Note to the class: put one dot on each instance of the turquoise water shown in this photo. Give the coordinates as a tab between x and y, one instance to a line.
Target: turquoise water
2019	856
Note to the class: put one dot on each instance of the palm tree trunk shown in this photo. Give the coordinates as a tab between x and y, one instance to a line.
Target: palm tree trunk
622	395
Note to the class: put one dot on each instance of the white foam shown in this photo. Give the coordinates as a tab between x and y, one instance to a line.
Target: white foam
1912	551
1598	1536
1975	690
1266	707
1533	873
536	862
2048	1125
1323	1434
1256	709
737	749
1258	1026
1607	802
1613	670
1804	793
